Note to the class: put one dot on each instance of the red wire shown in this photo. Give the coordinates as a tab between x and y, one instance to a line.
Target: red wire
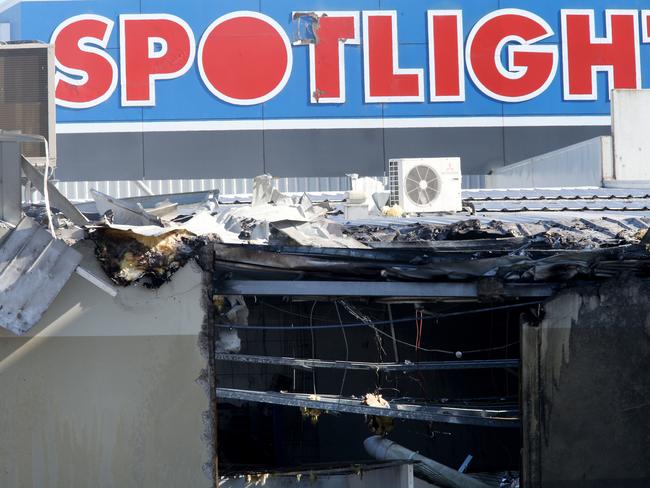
417	331
419	326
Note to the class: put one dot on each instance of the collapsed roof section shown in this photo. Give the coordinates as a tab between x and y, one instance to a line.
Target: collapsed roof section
304	237
278	236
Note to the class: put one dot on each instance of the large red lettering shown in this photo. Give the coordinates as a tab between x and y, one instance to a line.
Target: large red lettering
333	31
152	47
531	68
245	58
385	81
87	74
585	55
645	22
446	59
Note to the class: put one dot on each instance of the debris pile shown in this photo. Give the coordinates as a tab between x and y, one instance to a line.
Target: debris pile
571	234
230	310
277	219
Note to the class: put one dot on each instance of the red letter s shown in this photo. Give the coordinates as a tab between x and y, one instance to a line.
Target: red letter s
87	74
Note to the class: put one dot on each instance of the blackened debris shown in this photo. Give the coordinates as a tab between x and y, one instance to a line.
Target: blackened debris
463	230
39	214
127	257
577	234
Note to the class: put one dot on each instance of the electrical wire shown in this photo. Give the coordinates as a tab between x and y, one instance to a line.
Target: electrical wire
452	353
357	314
418	328
347	349
46	192
313	344
373	323
293	314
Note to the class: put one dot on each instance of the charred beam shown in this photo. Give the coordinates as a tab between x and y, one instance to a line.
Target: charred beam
310	364
506	417
376	289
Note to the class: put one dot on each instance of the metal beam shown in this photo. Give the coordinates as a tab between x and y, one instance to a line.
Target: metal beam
10	186
57	199
506	417
373	289
310	364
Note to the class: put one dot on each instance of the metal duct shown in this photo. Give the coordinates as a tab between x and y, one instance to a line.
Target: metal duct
386	450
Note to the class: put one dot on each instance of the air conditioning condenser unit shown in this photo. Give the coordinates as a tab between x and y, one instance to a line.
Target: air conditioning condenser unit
426	185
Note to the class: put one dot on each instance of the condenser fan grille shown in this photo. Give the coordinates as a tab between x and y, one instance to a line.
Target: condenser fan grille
422	185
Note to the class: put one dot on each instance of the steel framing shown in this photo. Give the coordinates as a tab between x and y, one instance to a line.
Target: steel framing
503	417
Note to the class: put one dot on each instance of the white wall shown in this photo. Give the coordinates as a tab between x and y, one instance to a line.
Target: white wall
587	163
105	394
631	130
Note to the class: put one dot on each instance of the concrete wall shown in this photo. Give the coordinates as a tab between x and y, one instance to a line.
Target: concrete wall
586	389
104	393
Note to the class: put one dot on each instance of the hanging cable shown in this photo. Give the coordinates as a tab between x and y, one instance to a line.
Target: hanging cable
458	354
347	349
374	323
381	352
418	328
313	344
288	312
46	192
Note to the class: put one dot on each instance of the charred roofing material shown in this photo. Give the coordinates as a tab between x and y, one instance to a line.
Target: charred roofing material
289	237
128	256
552	256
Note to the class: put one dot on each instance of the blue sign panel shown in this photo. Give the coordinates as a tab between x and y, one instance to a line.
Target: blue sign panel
153	61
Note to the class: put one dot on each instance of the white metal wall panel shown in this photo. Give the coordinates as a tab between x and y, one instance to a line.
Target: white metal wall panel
630	126
79	191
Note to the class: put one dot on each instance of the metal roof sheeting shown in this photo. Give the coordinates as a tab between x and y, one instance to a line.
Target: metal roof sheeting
561	205
559	200
638	220
582	193
34	267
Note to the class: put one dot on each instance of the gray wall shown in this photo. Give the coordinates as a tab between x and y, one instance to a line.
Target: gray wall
104	393
586	389
588	163
282	153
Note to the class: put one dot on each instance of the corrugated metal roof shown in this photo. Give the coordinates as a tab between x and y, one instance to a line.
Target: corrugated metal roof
34	267
559	200
583	193
560	205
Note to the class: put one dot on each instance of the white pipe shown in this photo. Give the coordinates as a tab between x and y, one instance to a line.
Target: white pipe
143	186
386	450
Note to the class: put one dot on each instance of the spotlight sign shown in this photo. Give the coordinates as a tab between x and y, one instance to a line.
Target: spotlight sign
415	61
